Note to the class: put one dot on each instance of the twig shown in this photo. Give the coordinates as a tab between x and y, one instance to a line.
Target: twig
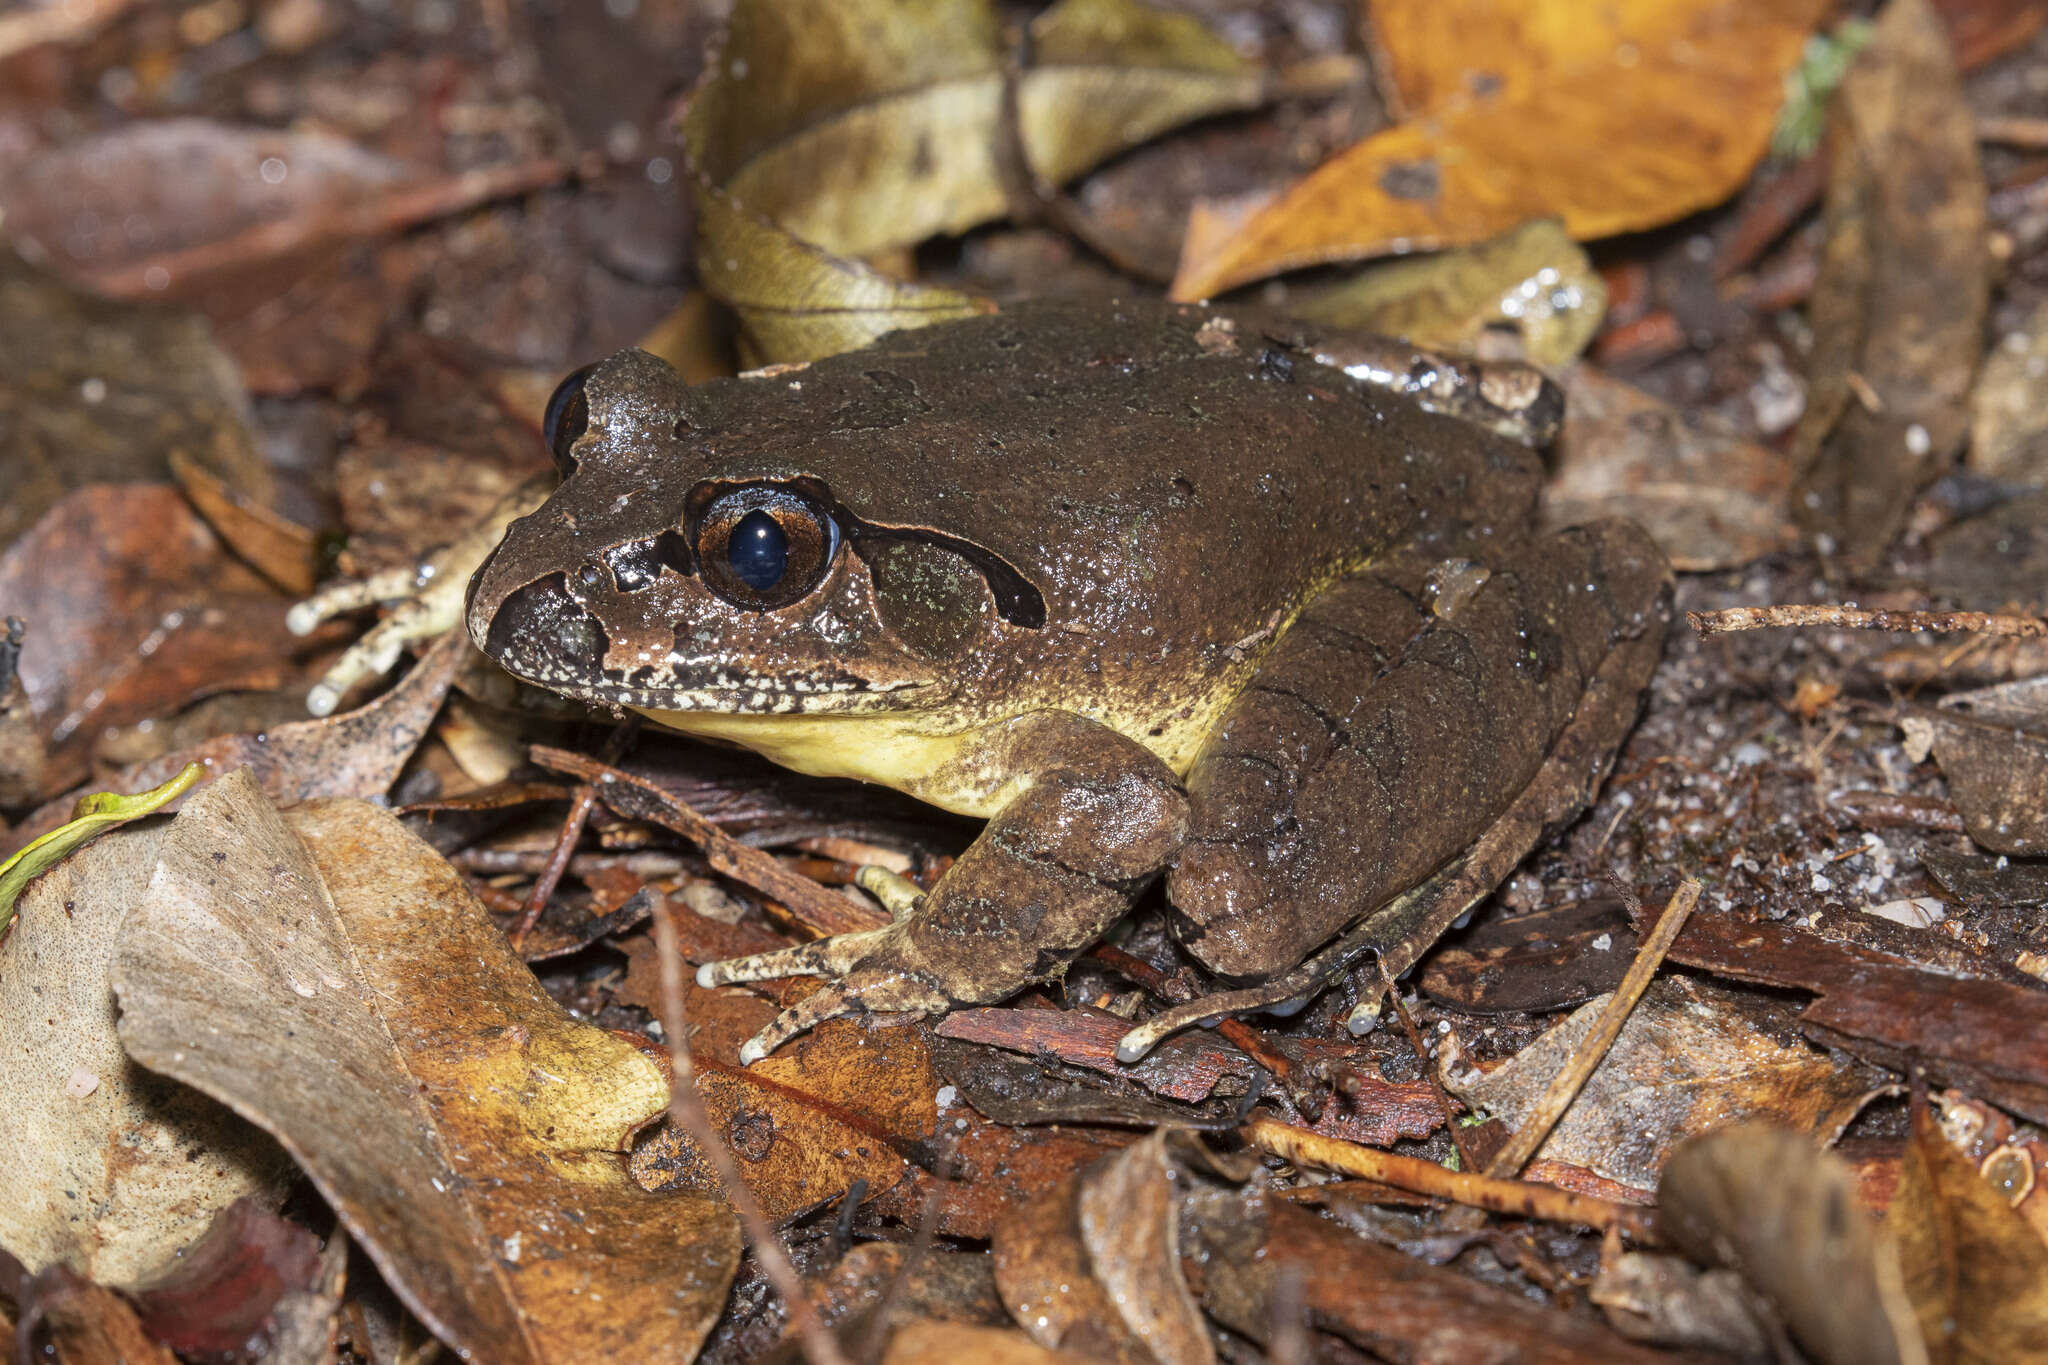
64	23
1862	618
638	799
2013	130
1443	1096
686	1111
1521	1198
373	215
1565	1085
558	862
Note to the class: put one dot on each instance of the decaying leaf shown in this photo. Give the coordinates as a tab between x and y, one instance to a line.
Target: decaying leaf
1658	108
1533	280
1983	1036
883	125
923	1282
329	976
949	1343
1691	1054
1710	499
1258	1254
1129	1220
110	1168
105	392
840	1108
2009	405
1992	745
1765	1201
222	1295
155	612
1658	1297
1093	1264
1976	1271
1898	310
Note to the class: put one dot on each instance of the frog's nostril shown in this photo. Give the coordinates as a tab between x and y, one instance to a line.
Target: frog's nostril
542	633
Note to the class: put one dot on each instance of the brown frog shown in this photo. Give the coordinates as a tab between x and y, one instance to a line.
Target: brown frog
1146	591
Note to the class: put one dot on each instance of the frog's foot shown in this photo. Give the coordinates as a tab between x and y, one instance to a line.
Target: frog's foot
868	975
422	614
428	599
1291	991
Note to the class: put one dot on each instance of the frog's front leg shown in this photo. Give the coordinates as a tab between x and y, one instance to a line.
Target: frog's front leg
1090	818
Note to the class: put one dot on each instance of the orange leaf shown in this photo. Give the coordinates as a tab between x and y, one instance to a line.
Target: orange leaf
1614	118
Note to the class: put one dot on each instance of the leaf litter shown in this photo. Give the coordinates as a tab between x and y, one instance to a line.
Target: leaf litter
1893	948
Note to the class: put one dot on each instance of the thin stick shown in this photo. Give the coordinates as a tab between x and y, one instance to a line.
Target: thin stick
1564	1087
638	799
1443	1096
2013	131
1521	1198
558	862
686	1112
1863	618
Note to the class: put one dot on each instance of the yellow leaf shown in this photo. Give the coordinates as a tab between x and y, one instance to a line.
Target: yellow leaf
1613	118
93	816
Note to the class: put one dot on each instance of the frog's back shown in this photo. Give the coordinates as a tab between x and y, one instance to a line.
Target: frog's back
1160	471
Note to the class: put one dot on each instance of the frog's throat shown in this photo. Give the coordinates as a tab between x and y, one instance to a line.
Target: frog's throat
900	750
929	754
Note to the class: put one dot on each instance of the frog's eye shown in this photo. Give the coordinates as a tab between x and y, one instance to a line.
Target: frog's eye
764	546
567	419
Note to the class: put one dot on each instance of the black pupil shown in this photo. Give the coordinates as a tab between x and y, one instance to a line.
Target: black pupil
758	551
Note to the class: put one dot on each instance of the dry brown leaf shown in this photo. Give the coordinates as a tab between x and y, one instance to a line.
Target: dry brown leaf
175	183
1614	118
841	1105
1765	1201
150	613
94	391
1976	1270
1129	1218
85	1323
1710	499
884	125
1533	279
1044	1276
330	977
949	1343
992	1170
796	1152
1691	1055
2009	406
1992	745
1898	308
110	1168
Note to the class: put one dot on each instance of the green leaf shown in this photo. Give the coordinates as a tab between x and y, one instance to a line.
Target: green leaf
93	816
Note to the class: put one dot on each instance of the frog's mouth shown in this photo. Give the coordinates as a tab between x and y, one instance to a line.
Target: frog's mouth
797	696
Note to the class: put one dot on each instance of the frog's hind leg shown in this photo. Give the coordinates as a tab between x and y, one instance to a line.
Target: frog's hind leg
1416	731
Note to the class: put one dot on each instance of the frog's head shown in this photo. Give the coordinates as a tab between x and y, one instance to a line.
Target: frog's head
686	569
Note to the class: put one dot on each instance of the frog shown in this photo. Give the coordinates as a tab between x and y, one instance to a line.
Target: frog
1158	595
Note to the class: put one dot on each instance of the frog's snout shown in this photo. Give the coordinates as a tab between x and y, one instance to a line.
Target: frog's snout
542	634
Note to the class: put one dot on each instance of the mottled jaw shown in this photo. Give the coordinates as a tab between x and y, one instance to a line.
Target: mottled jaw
750	696
542	635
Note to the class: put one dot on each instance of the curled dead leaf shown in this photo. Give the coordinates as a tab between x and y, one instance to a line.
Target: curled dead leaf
328	975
